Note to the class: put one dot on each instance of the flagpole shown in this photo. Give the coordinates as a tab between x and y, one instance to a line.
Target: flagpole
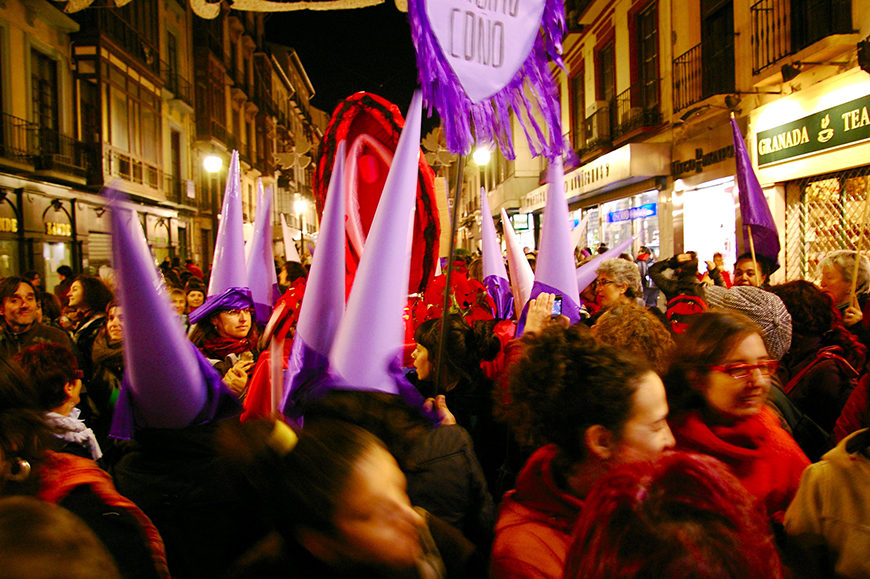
860	243
752	251
440	374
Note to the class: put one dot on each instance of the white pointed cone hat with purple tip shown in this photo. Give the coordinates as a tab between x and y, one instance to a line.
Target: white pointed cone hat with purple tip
367	353
323	306
555	272
167	382
521	275
261	261
495	277
228	287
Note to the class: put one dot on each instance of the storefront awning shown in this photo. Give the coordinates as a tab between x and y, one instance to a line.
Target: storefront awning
625	166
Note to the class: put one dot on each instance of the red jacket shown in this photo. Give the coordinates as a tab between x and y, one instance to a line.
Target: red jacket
757	450
533	532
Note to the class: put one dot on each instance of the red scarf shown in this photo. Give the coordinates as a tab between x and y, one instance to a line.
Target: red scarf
221	347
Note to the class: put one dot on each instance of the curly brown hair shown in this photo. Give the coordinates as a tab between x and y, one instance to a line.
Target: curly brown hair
567	381
638	331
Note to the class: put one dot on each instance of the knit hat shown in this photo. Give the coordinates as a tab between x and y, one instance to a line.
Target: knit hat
760	306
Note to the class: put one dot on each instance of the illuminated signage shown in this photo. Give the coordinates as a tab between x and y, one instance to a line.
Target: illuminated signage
841	125
58	229
641	212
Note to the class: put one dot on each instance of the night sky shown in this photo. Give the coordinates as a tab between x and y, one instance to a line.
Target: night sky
345	51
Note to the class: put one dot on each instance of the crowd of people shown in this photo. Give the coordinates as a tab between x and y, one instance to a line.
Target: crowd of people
717	430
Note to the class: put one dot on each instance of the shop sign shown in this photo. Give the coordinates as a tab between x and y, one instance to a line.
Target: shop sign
701	160
641	212
8	225
841	125
58	229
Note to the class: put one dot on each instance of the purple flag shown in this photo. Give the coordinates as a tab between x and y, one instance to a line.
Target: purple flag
495	277
754	210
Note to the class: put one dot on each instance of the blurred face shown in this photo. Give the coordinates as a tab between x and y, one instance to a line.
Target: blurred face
422	362
740	389
375	523
718	261
233	323
74	391
646	434
746	273
20	310
835	285
607	291
115	324
179	302
76	295
195	299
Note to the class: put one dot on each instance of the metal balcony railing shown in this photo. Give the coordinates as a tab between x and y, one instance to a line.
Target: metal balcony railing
16	139
179	86
636	107
599	129
62	153
784	27
704	70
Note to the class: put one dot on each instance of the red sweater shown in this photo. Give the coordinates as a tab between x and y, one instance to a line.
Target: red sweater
533	532
758	451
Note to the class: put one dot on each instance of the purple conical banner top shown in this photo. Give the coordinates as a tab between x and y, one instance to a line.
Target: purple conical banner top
754	209
495	277
521	275
167	383
368	346
261	261
323	306
290	252
554	272
587	272
228	264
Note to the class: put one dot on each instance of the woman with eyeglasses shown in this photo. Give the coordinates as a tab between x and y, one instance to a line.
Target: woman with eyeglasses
717	386
618	282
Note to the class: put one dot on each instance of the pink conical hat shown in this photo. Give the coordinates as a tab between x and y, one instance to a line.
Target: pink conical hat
167	383
555	264
290	253
522	276
370	337
228	264
261	261
587	272
577	232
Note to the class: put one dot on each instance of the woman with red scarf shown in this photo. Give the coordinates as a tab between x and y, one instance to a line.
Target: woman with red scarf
225	333
717	392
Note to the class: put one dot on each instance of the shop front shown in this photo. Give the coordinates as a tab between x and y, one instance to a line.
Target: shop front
619	192
813	149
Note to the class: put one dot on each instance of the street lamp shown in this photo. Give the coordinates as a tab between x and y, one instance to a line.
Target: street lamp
301	206
212	164
481	156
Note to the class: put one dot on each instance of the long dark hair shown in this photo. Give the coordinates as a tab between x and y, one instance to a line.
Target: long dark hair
466	346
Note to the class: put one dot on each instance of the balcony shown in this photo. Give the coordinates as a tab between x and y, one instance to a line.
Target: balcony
598	128
784	27
121	164
116	29
637	108
179	86
17	141
704	70
61	153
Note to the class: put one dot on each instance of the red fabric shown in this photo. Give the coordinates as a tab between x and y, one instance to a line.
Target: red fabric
511	353
505	331
258	401
854	414
758	451
533	532
194	270
221	347
62	472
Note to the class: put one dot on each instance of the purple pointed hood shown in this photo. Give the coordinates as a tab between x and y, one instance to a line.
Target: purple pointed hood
167	382
495	276
261	261
323	306
367	351
521	275
554	272
228	285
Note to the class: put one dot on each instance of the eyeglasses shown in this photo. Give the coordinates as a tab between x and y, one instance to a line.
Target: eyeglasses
603	282
740	371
